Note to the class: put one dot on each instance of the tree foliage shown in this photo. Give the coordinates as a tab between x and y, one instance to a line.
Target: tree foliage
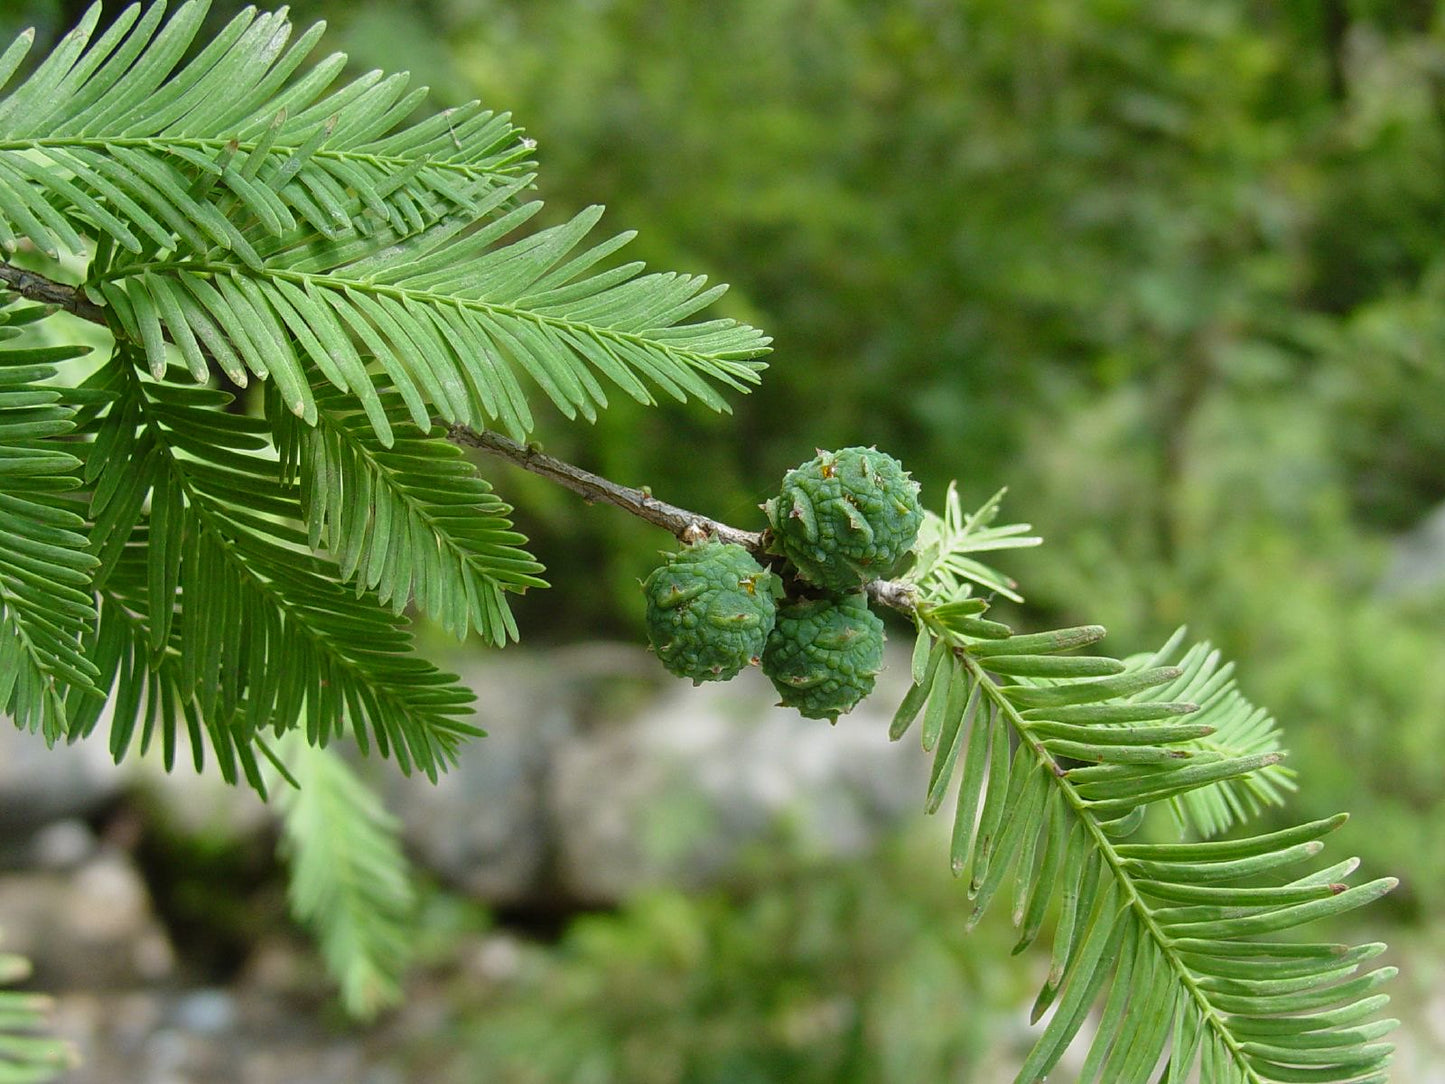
1058	756
241	575
350	881
45	567
257	220
27	1056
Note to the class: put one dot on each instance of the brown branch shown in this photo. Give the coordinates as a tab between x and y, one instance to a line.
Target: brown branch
681	523
35	287
688	526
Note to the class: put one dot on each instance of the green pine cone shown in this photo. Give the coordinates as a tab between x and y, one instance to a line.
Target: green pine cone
823	655
846	517
710	608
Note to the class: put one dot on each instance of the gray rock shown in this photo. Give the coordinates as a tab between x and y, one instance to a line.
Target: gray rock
482	827
205	1012
1417	559
198	804
91	928
599	772
244	1037
703	773
62	845
39	784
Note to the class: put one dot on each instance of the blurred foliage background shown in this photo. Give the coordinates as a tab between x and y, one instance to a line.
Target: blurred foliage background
1170	269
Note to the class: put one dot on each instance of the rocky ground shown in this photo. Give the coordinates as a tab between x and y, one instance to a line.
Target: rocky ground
599	774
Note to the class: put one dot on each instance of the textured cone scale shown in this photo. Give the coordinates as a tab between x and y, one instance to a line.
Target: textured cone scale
823	655
710	608
846	517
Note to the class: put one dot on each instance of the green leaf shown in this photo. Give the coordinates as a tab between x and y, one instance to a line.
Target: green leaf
126	98
1171	930
255	213
919	691
945	572
214	610
1050	666
1104	931
982	736
958	719
349	880
27	1054
1240	729
371	503
46	608
1088	692
922	654
1040	642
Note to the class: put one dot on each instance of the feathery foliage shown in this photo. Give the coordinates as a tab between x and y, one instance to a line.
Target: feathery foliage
1239	729
943	567
1058	757
242	624
350	882
274	223
413	520
243	214
45	609
27	1055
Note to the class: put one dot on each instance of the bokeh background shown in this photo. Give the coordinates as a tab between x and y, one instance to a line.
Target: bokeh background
1170	270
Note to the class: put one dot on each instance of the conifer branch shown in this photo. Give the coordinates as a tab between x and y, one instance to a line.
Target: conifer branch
685	525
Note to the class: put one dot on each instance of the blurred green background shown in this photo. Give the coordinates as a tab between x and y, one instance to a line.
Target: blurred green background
1171	270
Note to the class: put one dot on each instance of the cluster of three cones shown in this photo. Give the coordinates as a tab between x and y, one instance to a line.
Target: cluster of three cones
840	520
